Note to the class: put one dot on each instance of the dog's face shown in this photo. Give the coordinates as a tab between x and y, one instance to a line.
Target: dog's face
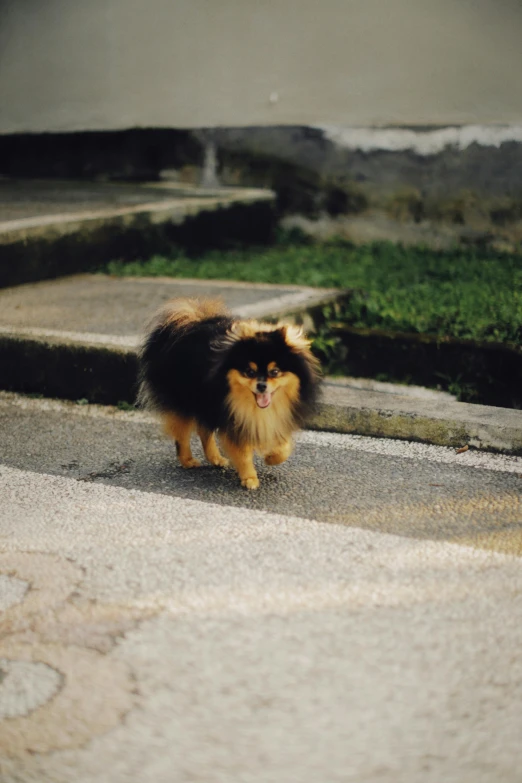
260	370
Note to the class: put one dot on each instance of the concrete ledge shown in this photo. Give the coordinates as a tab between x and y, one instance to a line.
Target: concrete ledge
439	422
64	367
175	210
107	373
110	310
77	337
66	240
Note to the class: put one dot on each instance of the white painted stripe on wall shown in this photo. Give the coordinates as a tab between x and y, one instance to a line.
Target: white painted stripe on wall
422	142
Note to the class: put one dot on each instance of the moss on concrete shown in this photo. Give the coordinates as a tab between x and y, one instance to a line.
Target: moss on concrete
453	431
389	424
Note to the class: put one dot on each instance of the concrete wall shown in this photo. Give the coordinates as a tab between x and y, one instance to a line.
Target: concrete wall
105	64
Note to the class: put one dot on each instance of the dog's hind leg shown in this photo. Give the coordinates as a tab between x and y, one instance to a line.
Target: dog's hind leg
210	447
180	429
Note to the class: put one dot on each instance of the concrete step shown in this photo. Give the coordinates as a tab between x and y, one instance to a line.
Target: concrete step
76	338
51	228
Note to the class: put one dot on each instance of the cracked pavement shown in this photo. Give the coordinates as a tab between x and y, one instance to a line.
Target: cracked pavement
357	618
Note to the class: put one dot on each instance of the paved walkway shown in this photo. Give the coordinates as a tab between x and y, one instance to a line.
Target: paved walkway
358	618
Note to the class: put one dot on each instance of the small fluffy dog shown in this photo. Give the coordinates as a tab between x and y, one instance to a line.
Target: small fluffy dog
252	383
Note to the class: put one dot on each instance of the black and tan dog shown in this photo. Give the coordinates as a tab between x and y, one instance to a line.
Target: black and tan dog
252	383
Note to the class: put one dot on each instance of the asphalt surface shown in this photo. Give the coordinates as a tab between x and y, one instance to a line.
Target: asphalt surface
404	489
356	619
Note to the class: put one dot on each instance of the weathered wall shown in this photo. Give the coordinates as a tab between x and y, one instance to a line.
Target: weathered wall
106	64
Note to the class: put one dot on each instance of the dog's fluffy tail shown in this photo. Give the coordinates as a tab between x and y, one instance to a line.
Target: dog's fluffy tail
174	319
182	313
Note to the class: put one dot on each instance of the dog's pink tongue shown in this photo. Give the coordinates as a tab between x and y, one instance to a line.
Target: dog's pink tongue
264	400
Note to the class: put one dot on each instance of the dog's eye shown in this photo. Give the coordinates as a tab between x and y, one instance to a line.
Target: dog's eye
249	372
274	372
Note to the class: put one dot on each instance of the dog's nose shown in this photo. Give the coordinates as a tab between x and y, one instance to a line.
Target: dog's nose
261	387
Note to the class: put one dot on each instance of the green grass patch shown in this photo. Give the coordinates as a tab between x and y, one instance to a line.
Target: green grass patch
461	293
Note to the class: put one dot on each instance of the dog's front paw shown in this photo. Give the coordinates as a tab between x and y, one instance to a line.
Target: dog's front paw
279	454
275	458
251	482
191	462
220	462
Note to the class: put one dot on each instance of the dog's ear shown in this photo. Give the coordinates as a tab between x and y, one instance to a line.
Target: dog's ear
242	330
295	338
297	341
221	346
238	330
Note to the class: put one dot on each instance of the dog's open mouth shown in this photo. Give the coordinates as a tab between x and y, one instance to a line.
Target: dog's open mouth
263	400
